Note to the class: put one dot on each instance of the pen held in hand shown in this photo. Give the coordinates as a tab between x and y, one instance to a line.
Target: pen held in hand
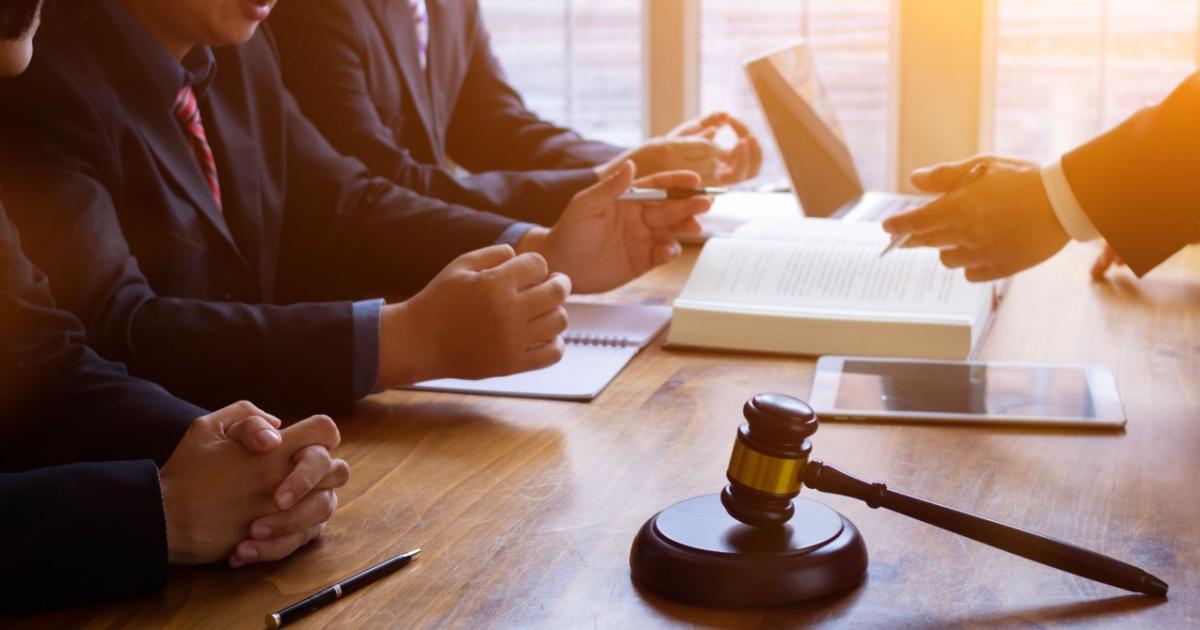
339	589
665	194
897	241
975	173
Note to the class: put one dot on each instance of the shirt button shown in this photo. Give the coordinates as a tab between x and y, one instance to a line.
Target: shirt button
226	296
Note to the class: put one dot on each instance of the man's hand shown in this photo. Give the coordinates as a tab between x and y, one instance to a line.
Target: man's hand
306	497
739	163
1108	258
602	243
489	312
994	227
692	147
214	486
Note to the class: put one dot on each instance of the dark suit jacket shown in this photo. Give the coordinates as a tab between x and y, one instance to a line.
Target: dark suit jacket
59	402
353	66
79	532
1140	182
215	304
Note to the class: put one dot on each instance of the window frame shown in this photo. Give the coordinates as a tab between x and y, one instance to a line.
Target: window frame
671	71
670	63
932	117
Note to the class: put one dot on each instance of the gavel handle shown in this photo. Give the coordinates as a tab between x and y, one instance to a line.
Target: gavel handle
1048	551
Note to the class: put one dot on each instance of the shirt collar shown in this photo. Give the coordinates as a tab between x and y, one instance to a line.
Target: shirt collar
167	76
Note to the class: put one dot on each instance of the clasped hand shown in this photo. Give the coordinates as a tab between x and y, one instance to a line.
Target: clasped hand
237	487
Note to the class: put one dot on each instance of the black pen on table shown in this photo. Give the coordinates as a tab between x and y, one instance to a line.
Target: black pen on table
665	194
975	173
339	589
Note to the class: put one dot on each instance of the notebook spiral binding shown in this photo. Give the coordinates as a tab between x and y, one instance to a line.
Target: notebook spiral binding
598	340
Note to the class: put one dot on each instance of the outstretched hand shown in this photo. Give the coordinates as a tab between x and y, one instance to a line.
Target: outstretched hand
601	243
994	227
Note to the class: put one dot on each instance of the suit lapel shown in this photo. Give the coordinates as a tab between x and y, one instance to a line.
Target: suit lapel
162	133
170	148
396	23
239	158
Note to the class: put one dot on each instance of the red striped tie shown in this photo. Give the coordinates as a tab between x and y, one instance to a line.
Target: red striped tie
420	16
188	113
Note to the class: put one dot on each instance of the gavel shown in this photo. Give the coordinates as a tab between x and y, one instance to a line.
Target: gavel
769	465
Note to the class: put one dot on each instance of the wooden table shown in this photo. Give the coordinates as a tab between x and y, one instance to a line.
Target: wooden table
526	509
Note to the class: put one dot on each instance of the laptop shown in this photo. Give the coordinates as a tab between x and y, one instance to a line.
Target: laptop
802	120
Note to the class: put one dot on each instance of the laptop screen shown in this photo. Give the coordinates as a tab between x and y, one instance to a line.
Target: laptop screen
805	128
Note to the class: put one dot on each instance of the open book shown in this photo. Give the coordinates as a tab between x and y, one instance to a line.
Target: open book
818	286
601	339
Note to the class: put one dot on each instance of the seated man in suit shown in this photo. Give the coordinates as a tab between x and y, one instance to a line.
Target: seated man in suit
88	513
163	176
408	86
1135	186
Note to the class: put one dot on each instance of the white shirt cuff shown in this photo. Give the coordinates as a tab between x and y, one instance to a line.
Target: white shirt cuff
1066	207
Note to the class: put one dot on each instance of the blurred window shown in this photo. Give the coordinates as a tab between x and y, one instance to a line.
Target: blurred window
849	39
1069	69
1065	70
576	62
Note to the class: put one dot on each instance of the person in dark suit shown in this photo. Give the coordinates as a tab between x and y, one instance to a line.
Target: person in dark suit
163	176
409	86
1134	186
88	513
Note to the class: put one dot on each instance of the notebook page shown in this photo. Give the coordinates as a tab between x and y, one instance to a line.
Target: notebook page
582	374
826	265
634	324
601	340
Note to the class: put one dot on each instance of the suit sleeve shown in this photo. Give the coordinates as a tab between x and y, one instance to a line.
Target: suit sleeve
81	533
324	68
293	360
1138	183
59	402
491	127
346	227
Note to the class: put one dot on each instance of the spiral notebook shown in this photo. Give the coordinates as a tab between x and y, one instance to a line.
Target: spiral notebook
601	340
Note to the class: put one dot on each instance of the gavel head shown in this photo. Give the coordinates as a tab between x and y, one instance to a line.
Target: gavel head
768	460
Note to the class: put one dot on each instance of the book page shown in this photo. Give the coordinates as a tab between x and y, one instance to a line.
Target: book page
812	230
828	265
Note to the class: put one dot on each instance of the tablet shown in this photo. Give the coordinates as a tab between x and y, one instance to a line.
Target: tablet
908	390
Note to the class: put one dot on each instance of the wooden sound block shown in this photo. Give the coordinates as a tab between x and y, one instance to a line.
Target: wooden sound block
695	552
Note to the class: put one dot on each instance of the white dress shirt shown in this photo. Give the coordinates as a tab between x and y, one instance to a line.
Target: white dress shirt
1066	207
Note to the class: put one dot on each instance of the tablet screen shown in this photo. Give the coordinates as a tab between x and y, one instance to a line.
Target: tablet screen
994	390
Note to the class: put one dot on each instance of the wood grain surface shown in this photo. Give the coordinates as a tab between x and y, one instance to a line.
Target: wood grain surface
526	509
